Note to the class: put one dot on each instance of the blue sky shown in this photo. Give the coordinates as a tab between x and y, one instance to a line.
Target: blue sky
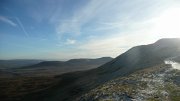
65	29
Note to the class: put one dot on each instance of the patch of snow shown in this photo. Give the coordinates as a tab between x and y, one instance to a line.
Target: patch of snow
174	64
153	84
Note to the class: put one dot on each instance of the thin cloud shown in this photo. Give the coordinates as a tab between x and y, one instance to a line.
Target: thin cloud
22	26
101	11
8	21
70	41
80	17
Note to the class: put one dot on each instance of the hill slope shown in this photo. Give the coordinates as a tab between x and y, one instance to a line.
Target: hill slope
72	85
143	56
158	83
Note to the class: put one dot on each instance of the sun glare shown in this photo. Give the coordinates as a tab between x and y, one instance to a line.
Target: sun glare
168	23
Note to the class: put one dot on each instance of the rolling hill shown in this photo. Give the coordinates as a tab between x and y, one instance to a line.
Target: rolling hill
47	68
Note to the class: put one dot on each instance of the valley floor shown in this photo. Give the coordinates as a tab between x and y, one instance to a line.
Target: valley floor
159	83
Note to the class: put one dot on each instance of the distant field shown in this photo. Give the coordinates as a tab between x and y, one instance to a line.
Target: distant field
16	88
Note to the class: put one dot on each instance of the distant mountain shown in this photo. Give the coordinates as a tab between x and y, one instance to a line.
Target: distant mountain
140	57
7	64
72	62
59	67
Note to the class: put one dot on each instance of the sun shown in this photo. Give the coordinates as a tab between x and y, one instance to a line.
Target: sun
168	23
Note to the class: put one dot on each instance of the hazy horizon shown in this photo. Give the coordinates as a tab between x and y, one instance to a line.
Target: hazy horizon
56	59
69	29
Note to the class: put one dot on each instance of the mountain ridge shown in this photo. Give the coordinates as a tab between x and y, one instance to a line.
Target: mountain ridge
82	61
52	68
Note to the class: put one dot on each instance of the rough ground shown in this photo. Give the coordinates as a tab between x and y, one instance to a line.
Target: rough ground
159	83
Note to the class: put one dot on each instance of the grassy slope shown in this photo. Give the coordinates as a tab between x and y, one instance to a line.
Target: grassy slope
152	84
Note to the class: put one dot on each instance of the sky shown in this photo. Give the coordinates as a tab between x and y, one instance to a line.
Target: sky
66	29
